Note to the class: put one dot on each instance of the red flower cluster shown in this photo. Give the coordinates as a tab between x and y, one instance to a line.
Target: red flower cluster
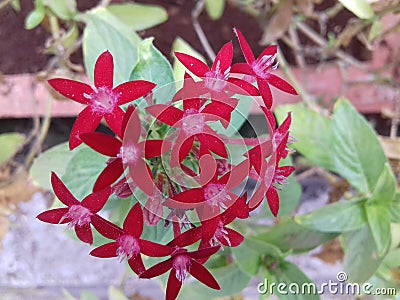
173	155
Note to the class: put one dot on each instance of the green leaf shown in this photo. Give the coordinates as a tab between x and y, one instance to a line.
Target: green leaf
100	35
361	258
337	217
82	171
392	259
385	189
248	255
55	159
351	134
67	295
288	235
116	294
10	143
375	30
231	279
35	17
215	8
154	67
395	209
139	16
313	133
180	45
294	284
16	5
63	9
379	222
361	8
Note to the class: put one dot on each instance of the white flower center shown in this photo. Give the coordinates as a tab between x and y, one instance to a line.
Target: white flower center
78	214
262	67
102	100
216	195
193	122
216	80
181	264
129	153
128	247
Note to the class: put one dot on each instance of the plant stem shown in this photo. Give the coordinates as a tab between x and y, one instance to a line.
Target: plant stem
198	9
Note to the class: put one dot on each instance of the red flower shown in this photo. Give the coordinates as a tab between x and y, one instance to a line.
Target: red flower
192	123
181	263
78	214
112	147
217	78
102	101
128	244
261	69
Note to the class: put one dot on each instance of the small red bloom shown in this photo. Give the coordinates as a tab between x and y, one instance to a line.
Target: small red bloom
181	263
216	79
102	100
261	69
128	244
112	147
78	214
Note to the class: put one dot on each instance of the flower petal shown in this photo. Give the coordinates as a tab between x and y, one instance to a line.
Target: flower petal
213	143
87	121
199	272
187	238
281	84
128	113
95	201
133	90
155	148
209	227
203	253
71	89
104	71
105	251
141	175
265	92
52	216
114	120
167	114
133	223
245	88
106	228
136	264
189	198
102	143
193	64
173	286
157	269
153	249
242	68
193	104
247	53
269	51
273	200
109	175
62	192
234	238
224	58
84	233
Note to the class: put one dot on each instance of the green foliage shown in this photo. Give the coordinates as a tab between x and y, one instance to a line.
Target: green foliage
36	16
154	67
361	8
215	8
231	279
352	158
138	16
55	159
10	144
63	9
99	36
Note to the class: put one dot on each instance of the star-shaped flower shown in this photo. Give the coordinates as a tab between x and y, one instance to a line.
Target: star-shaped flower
181	263
261	69
102	100
78	214
127	242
